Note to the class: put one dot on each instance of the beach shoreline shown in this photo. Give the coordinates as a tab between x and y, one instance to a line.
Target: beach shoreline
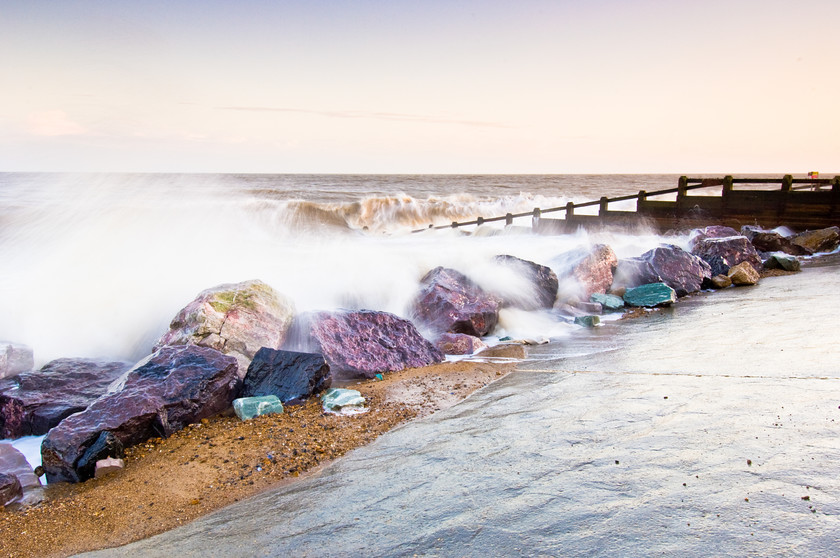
169	482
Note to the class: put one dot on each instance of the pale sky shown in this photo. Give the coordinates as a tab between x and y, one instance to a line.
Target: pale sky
390	86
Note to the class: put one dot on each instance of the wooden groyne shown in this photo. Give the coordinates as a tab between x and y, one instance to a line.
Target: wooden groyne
798	203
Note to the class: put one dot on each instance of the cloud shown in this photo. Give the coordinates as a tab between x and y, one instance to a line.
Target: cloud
53	123
394	116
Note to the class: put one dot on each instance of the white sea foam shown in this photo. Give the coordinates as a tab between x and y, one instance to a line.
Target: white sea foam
97	265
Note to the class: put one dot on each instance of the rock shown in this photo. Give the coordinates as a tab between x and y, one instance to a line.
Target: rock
654	294
732	251
720	282
632	272
449	302
743	274
713	231
459	344
541	280
772	241
608	302
166	391
10	489
236	319
343	401
782	261
289	375
106	445
591	271
719	265
363	343
107	466
33	402
13	463
589	307
14	359
247	408
678	269
823	240
587	321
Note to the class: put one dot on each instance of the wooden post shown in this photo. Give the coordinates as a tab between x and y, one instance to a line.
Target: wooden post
570	214
535	219
602	209
640	199
724	198
454	224
479	221
781	206
682	192
508	219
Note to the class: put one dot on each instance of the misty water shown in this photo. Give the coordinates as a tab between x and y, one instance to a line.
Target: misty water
628	439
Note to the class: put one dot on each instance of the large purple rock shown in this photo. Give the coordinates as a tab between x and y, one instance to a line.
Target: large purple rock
541	281
287	374
732	250
14	359
33	402
173	387
772	241
680	270
583	273
236	319
364	343
450	302
634	272
14	464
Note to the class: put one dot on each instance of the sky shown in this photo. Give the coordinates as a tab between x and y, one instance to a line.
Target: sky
393	86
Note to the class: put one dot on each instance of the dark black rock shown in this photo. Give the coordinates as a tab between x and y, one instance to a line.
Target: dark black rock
287	374
719	265
106	445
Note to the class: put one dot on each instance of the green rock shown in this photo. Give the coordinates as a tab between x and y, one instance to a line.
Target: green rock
247	408
343	401
608	302
784	261
650	295
588	321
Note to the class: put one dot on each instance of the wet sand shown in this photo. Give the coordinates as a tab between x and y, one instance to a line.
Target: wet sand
169	482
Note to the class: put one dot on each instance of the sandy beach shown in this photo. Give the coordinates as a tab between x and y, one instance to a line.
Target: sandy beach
169	482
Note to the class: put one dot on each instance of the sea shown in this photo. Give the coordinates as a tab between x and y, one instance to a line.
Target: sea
710	428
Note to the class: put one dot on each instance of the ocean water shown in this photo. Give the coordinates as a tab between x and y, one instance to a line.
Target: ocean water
629	439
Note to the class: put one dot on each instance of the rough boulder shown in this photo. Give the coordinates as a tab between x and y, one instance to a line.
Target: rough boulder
590	271
14	359
363	343
450	302
236	319
732	250
170	389
680	270
33	402
289	375
541	290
